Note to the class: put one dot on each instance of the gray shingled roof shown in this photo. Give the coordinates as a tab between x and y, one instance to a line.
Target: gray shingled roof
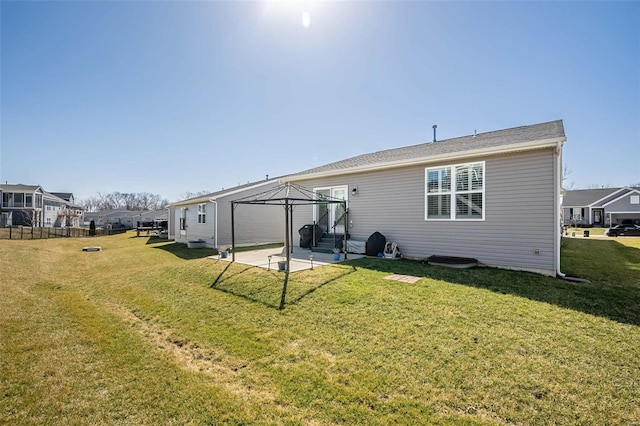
18	188
498	138
64	195
585	197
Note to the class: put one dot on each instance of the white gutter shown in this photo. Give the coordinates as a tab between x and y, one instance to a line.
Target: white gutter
527	146
215	223
556	205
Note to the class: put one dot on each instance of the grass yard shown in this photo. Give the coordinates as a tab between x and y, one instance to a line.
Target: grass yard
149	332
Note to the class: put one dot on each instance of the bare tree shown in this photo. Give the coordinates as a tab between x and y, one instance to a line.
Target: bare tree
140	201
67	217
566	172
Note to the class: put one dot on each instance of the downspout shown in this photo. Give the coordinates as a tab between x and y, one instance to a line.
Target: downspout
556	203
215	223
169	223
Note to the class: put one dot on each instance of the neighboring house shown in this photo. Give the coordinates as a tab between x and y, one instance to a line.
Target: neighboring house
490	196
31	205
21	205
601	206
59	211
208	218
106	218
123	218
156	216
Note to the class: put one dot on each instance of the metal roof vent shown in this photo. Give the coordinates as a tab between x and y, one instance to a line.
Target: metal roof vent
435	126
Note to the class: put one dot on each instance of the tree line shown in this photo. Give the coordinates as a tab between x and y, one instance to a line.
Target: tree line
134	201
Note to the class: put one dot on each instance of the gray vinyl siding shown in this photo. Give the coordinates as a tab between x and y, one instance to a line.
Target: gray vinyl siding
611	197
195	230
624	205
254	223
520	217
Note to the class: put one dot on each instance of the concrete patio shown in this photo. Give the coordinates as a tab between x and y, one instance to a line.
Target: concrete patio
299	261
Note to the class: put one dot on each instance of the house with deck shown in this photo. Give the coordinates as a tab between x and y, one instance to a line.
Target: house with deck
31	205
492	196
601	206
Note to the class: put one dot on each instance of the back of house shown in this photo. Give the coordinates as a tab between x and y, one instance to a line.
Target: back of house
490	196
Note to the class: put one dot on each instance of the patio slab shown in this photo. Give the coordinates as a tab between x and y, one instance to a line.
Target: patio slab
299	259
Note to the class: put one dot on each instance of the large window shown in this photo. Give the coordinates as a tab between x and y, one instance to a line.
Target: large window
455	192
202	213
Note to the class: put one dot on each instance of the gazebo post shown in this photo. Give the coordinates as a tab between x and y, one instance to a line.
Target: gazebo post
286	246
346	230
291	230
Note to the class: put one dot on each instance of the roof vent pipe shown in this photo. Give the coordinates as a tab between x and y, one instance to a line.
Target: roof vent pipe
267	177
435	126
475	132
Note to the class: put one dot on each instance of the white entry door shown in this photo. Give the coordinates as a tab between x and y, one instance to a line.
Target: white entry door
326	214
337	210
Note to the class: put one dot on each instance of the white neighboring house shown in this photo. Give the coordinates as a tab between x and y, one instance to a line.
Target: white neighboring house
208	218
59	211
31	205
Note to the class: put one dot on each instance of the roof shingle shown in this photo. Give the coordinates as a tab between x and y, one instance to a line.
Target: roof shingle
498	138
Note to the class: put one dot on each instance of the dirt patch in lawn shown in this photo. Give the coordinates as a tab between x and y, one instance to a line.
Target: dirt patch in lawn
235	376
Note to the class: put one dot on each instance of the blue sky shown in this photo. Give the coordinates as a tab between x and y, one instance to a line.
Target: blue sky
170	97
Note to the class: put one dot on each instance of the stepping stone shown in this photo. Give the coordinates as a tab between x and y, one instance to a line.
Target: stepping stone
403	278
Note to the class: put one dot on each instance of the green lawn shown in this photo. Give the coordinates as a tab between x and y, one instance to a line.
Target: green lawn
149	332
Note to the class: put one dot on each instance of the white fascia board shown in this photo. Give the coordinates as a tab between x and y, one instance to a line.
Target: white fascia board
527	146
191	201
622	196
626	188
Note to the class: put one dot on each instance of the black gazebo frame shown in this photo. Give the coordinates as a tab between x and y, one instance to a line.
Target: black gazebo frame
288	195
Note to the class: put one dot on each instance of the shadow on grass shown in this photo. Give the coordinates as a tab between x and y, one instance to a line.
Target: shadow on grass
615	296
318	286
180	250
271	287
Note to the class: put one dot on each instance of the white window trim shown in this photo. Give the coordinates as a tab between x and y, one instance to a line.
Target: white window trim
202	213
453	192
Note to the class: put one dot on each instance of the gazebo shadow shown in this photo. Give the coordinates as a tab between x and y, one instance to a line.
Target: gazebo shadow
182	251
270	287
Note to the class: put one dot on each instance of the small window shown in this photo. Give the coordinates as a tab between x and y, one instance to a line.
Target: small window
202	213
439	193
635	199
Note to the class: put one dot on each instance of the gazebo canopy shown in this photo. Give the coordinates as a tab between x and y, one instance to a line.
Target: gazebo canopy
288	193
